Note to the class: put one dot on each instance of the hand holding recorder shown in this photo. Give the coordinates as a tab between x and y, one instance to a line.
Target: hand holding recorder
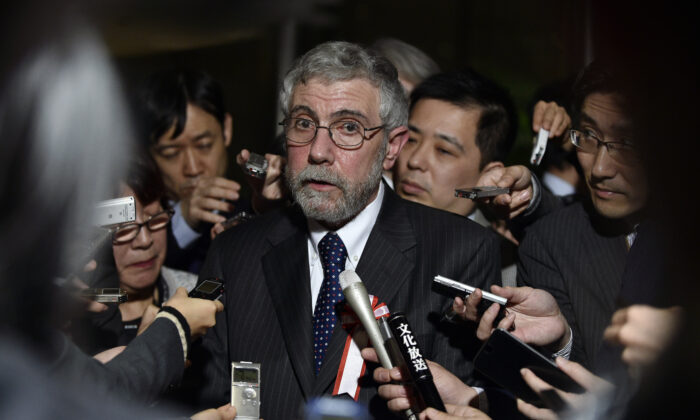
210	196
199	313
265	175
534	312
518	180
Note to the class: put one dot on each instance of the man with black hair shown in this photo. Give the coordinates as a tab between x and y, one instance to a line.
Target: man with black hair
188	131
578	252
462	125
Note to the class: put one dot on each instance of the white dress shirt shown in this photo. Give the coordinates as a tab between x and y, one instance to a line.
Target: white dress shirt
183	233
354	235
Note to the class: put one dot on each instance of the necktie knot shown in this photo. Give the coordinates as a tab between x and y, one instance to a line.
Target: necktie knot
332	251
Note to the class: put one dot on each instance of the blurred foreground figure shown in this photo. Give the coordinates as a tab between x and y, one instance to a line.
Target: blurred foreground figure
65	134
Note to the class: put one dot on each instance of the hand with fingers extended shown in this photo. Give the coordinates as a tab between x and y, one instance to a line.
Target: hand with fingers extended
507	206
271	192
593	385
643	332
551	117
401	397
210	197
532	315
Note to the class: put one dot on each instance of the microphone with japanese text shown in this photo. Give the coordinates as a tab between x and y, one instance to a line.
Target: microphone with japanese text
417	366
357	297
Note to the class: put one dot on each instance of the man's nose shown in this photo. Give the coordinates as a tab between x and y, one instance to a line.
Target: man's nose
418	158
603	165
322	148
192	167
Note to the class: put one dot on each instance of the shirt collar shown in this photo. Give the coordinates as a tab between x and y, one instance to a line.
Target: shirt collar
356	232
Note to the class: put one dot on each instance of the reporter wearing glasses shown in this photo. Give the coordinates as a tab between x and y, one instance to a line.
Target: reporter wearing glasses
134	263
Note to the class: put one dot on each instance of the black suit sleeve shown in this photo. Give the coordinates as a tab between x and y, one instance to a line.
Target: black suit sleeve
207	381
538	269
143	371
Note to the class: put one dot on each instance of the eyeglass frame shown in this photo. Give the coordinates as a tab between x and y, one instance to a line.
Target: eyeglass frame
617	146
170	212
283	123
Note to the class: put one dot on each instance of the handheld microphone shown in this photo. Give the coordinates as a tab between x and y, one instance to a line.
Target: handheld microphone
417	366
358	299
356	295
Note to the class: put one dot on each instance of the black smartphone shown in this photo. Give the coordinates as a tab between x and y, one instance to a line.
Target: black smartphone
211	289
503	355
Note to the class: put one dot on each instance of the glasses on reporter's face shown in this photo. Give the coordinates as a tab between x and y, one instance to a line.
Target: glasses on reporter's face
126	232
346	134
587	141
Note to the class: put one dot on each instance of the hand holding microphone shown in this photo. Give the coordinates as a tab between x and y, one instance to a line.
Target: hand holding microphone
358	299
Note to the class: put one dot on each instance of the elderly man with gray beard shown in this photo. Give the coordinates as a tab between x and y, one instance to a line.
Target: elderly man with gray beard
345	121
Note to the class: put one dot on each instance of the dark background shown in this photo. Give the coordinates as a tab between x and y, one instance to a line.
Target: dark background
523	45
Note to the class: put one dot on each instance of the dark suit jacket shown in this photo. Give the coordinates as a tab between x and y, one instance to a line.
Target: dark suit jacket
191	258
578	257
268	315
146	369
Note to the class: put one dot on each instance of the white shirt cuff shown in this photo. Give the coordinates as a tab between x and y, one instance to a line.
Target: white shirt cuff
566	351
184	234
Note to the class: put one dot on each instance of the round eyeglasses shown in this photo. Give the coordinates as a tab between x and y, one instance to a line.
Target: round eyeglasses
126	232
346	134
587	142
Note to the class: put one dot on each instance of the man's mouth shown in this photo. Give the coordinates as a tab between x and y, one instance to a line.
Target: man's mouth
412	188
603	192
319	184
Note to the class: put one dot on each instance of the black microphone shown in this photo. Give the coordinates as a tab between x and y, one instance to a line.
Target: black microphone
416	365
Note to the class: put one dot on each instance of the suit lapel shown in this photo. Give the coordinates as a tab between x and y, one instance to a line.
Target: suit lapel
287	276
386	263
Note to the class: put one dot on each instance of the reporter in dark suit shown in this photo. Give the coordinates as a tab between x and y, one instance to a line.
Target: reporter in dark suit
578	253
344	113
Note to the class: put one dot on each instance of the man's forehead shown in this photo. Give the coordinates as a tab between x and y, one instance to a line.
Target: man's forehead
336	94
609	108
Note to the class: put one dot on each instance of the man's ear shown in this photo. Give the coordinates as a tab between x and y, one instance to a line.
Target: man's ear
397	138
228	129
492	165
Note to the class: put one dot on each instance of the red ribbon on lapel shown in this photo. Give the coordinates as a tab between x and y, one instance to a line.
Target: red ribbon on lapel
352	366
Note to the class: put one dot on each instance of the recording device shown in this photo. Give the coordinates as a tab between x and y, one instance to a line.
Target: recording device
540	147
358	299
237	219
256	166
104	295
454	288
245	389
211	289
502	357
481	192
111	212
328	408
416	366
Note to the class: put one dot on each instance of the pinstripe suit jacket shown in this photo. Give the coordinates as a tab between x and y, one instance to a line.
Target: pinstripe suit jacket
579	257
268	315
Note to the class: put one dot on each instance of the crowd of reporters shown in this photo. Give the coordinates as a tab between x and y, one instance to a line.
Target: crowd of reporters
584	273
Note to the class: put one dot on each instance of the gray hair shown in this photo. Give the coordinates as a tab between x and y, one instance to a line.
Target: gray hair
340	61
412	64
